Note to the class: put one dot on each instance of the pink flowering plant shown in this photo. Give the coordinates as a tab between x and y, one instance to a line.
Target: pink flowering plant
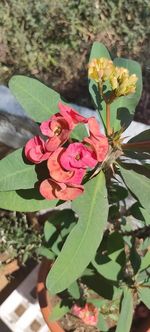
92	239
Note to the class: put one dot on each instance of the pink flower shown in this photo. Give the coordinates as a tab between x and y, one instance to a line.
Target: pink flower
77	156
58	131
58	173
97	141
51	189
88	313
35	150
71	116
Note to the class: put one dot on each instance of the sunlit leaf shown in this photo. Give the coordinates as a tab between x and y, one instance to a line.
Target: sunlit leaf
125	317
27	200
15	173
39	101
76	253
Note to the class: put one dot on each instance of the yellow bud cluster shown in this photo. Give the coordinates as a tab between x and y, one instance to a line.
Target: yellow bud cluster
100	69
122	83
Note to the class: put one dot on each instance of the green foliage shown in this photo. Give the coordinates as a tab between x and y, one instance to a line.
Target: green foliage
144	295
107	268
18	239
24	200
135	182
76	253
19	175
79	132
39	101
125	318
123	108
58	312
74	290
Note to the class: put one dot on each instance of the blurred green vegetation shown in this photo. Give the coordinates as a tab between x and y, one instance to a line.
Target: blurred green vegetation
18	239
51	40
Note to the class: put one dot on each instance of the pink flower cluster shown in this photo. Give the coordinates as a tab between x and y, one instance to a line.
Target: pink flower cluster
88	313
67	161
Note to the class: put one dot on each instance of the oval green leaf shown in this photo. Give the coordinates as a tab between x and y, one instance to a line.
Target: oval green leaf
83	241
107	268
27	200
144	295
123	108
125	317
15	173
39	101
139	186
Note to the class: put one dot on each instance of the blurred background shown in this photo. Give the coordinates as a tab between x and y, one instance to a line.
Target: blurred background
51	40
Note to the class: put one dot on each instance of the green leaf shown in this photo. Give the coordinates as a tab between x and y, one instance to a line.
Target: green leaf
125	317
79	132
98	50
146	216
143	136
15	173
58	312
135	259
39	101
74	290
78	249
115	245
27	200
46	253
49	230
123	108
53	237
106	267
144	295
139	186
145	261
102	323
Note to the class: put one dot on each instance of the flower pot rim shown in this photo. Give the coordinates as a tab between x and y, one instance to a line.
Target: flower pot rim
44	298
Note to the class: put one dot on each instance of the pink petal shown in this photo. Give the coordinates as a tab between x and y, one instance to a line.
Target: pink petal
77	156
50	189
35	150
97	141
88	313
60	174
57	129
99	146
46	125
71	116
94	127
47	189
70	192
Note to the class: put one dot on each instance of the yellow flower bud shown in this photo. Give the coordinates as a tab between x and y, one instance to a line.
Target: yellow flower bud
100	69
123	83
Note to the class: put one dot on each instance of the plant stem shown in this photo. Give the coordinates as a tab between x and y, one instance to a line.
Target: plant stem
139	145
108	126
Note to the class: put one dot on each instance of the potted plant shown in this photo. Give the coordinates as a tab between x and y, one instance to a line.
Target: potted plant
97	242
